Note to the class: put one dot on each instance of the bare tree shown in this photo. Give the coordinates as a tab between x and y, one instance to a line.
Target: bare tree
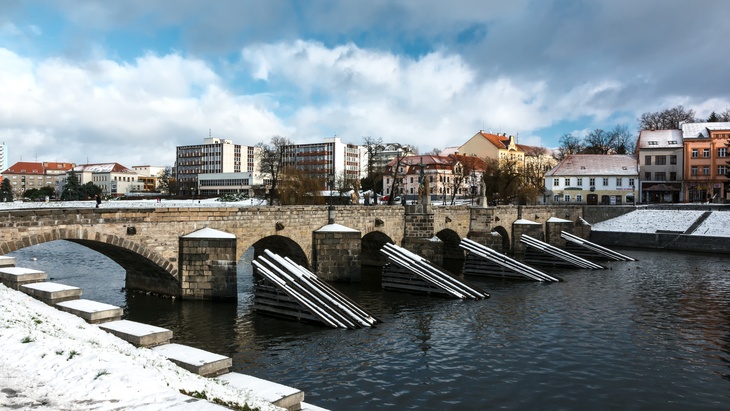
598	141
622	140
724	116
570	144
434	152
271	162
668	119
374	176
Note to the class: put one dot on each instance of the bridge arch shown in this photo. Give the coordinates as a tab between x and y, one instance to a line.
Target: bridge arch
284	246
451	240
145	269
505	241
371	243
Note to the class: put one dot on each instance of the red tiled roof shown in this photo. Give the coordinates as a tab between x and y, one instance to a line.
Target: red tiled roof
25	167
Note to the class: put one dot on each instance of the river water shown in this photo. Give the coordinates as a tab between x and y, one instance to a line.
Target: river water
650	334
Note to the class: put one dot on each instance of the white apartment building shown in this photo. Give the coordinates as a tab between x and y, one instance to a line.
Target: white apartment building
324	160
214	156
114	179
593	179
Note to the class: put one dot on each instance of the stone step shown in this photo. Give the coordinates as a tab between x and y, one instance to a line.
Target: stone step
201	362
311	407
6	261
51	293
138	334
92	311
275	393
14	277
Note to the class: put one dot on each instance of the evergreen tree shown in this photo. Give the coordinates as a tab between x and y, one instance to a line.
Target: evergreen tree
6	190
72	191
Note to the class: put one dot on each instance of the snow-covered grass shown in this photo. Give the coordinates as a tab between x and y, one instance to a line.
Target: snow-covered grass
716	225
51	360
651	221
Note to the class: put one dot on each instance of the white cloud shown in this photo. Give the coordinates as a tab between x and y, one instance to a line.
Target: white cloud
131	113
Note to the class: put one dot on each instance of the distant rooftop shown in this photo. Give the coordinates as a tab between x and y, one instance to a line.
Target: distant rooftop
596	164
701	130
660	139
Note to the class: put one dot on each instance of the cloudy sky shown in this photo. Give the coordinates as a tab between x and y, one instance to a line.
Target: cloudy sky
128	81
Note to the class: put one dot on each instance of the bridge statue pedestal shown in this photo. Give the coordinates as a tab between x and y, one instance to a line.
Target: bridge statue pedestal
208	265
336	253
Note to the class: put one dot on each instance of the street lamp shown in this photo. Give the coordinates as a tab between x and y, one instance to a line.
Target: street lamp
331	209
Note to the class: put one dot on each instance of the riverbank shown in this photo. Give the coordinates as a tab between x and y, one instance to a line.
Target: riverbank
673	229
53	360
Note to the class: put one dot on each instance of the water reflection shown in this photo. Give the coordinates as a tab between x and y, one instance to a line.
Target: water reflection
654	333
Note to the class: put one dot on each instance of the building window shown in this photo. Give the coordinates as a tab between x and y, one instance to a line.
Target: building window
556	182
605	181
660	176
631	182
579	197
619	181
705	152
722	152
567	182
672	159
647	175
579	182
721	170
672	176
647	160
706	170
592	182
661	160
694	153
556	198
694	170
566	198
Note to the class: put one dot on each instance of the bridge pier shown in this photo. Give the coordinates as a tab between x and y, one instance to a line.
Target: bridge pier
418	233
530	228
336	253
208	265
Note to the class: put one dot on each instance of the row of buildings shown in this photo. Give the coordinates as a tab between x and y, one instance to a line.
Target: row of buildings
684	165
670	166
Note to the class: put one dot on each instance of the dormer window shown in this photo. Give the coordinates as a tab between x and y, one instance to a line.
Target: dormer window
672	141
653	143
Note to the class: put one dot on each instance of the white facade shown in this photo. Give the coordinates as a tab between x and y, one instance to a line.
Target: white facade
593	179
114	179
215	155
4	163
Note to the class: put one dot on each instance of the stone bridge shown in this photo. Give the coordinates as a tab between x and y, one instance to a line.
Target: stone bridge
146	242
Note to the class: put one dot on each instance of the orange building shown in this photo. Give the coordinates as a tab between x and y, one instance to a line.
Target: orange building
706	161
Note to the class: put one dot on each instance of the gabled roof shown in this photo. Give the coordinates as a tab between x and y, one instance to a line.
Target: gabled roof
497	140
413	163
660	139
50	165
25	167
596	164
103	168
702	130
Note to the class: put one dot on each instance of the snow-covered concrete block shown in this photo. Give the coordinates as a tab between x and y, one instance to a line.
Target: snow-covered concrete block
311	407
195	360
138	334
6	261
275	393
51	293
93	312
14	277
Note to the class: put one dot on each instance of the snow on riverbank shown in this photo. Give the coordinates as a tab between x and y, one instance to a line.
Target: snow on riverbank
51	360
650	221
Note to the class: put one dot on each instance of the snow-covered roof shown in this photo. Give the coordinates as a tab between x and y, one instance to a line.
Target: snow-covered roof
660	139
336	228
103	168
208	232
701	130
526	222
596	165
